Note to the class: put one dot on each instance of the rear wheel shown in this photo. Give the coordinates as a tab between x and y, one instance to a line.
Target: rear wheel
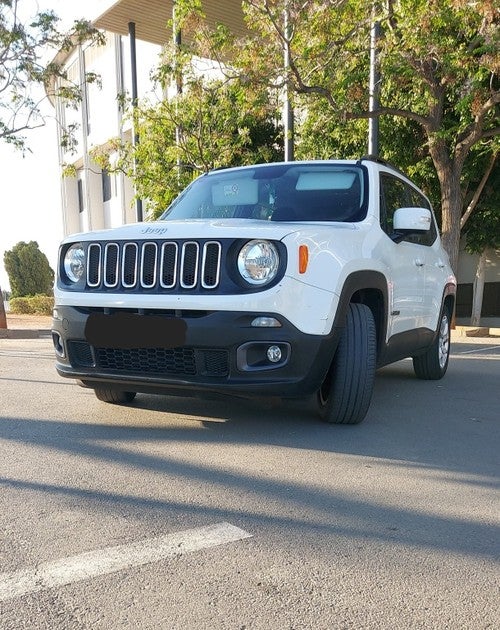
114	396
345	395
433	364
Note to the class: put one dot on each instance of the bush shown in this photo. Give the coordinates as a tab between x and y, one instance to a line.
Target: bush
33	305
28	270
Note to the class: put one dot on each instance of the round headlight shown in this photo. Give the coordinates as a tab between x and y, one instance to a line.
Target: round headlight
74	263
258	262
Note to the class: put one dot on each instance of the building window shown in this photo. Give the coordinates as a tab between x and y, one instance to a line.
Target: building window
81	203
107	191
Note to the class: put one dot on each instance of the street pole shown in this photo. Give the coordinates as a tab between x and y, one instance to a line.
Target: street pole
288	121
133	69
177	41
374	99
87	201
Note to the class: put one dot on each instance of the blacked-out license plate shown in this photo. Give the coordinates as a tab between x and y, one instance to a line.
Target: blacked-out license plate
128	331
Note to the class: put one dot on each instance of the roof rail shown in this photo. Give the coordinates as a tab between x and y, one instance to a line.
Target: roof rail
374	158
379	160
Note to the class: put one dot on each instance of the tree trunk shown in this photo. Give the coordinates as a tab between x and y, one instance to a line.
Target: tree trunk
478	290
3	316
451	205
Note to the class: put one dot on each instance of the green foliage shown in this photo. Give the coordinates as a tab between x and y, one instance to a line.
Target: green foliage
324	40
34	305
216	124
442	60
24	44
321	136
439	63
482	230
28	270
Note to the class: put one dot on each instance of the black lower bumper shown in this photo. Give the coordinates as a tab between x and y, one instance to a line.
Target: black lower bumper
221	352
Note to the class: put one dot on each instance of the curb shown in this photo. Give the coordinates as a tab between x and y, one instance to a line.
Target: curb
476	331
25	333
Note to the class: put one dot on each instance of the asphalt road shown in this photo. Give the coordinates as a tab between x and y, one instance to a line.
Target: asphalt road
113	517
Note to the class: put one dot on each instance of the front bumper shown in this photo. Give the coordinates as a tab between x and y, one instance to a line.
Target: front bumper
221	352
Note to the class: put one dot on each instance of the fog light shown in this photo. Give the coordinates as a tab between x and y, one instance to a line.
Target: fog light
266	322
274	354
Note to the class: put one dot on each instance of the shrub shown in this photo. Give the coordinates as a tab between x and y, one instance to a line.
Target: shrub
28	270
33	305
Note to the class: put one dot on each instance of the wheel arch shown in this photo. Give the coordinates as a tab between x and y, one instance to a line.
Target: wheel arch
369	288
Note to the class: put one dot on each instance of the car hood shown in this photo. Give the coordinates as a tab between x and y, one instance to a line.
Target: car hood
215	229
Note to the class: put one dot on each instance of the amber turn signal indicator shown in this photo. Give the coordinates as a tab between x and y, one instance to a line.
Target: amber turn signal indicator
303	258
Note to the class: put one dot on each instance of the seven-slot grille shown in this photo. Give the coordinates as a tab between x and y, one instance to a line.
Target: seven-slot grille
149	265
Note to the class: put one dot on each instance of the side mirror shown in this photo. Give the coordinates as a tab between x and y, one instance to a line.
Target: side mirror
410	221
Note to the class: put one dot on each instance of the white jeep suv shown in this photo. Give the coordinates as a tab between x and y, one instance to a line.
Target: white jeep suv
285	279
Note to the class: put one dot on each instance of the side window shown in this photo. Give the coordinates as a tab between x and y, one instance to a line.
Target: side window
393	195
419	201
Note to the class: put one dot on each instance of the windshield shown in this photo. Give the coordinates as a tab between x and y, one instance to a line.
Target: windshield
278	192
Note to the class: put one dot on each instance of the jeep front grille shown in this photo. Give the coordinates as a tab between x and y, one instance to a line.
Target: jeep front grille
150	265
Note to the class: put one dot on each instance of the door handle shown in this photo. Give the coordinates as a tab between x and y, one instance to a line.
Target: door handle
419	262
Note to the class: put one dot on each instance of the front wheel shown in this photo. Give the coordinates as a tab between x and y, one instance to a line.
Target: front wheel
432	365
114	396
345	395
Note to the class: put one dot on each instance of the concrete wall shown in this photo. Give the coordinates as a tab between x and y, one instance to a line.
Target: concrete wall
467	265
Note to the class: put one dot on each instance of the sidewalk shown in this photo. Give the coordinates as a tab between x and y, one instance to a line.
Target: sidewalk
35	326
26	326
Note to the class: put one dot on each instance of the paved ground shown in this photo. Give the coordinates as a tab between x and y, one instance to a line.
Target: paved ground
387	525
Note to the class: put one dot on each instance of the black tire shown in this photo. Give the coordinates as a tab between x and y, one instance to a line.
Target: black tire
114	396
432	365
345	395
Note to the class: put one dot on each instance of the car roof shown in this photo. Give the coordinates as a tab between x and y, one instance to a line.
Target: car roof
281	164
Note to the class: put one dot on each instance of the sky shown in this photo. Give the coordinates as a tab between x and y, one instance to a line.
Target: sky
30	185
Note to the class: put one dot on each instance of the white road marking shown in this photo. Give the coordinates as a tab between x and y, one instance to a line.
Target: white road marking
110	559
479	350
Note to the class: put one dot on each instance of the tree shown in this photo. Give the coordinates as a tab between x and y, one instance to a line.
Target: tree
439	62
28	270
25	44
320	136
210	125
482	232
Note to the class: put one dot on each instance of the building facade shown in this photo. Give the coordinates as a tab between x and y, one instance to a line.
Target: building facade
92	198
